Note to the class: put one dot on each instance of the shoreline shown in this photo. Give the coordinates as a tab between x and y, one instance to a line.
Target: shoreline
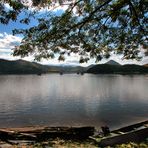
42	127
39	136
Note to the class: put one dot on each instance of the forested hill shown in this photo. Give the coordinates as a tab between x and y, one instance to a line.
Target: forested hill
21	67
118	69
25	67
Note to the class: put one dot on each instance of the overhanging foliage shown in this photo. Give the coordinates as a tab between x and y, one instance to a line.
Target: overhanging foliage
91	28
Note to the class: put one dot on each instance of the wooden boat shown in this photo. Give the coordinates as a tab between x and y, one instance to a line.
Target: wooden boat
133	133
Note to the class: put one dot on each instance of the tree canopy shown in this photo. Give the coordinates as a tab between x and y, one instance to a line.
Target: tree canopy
90	28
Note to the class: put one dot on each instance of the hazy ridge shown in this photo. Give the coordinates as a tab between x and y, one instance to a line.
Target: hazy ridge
25	67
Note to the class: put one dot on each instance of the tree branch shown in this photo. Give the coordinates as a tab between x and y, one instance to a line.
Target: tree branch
91	14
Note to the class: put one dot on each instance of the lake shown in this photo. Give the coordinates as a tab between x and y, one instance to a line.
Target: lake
73	100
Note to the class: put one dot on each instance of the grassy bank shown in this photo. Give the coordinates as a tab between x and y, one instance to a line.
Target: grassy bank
58	143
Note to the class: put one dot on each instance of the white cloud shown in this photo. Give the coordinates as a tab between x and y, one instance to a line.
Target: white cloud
1	35
5	50
7	42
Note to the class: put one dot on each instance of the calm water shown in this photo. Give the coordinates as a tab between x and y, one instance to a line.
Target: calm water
74	100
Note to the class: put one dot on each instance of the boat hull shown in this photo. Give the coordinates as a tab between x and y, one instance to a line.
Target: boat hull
134	136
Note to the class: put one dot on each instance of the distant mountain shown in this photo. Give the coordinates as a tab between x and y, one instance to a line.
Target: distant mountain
21	67
118	69
67	69
112	62
25	67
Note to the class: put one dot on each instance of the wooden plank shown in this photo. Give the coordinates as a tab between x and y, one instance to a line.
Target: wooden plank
48	133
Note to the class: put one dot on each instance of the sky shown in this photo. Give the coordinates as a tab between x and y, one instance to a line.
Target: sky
8	41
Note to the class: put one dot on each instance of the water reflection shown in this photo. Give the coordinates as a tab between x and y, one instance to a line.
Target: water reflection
72	100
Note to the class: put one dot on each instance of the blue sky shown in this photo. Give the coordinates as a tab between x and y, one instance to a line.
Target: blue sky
8	41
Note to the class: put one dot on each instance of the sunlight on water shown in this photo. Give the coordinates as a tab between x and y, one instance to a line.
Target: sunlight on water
73	100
